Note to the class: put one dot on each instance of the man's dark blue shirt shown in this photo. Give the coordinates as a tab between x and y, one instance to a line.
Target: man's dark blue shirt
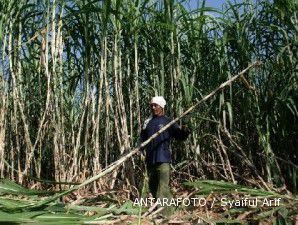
158	150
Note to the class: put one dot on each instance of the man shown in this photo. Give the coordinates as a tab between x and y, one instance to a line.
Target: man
158	155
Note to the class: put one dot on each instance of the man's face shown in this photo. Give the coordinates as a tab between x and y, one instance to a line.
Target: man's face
156	110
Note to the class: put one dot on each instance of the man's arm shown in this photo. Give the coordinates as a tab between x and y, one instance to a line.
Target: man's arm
179	133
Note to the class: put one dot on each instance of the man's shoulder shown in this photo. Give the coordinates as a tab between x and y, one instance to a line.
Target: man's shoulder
152	121
167	119
146	122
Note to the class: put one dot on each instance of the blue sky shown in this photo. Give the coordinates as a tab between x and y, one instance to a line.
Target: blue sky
214	3
193	4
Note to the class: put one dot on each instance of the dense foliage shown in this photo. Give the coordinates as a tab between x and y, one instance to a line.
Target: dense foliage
76	78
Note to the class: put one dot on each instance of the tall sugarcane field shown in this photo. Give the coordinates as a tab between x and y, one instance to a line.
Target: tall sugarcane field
79	80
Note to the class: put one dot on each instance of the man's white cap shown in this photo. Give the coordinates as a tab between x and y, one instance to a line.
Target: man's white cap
159	100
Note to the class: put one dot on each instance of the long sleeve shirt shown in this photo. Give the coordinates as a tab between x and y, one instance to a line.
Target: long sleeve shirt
158	150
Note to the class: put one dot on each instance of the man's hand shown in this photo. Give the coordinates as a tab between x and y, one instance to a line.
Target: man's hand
185	129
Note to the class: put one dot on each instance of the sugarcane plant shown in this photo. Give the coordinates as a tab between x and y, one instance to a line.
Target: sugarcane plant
76	78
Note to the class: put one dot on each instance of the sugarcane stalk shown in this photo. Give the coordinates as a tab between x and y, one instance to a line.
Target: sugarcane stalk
135	150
